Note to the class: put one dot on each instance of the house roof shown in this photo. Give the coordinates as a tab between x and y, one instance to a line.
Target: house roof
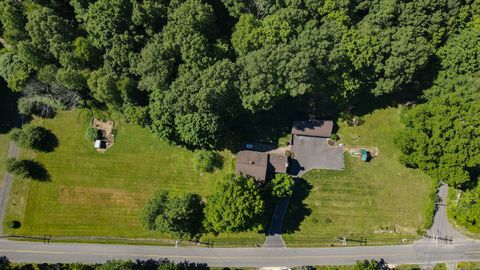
252	163
313	128
278	163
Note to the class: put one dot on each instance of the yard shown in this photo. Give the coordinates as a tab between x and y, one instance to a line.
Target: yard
381	201
102	194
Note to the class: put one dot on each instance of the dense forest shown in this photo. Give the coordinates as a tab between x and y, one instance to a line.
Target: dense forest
197	73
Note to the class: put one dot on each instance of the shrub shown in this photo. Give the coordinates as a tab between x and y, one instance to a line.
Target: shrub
334	137
440	266
351	119
29	106
27	168
91	134
289	154
16	167
14	224
34	137
207	161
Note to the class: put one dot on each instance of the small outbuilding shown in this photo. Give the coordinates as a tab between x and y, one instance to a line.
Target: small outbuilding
105	131
97	144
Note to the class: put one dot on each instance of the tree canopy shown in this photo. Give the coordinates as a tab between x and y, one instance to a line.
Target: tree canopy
236	205
192	70
182	216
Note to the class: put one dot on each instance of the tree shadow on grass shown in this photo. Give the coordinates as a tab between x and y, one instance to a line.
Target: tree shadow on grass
37	171
298	210
48	143
367	103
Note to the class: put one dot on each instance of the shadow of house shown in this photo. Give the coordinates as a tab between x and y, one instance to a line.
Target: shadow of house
297	210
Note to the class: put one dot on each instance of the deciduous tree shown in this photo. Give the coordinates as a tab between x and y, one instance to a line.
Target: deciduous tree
235	206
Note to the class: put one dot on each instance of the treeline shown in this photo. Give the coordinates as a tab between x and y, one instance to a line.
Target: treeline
192	71
151	264
443	134
168	265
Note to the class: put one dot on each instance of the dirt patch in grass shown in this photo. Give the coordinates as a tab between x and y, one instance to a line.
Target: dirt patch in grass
96	196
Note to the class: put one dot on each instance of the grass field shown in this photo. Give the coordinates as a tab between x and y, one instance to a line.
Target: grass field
366	200
102	194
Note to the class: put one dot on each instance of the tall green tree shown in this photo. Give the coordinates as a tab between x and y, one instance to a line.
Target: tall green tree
272	73
13	21
105	19
235	206
442	136
182	216
466	210
49	32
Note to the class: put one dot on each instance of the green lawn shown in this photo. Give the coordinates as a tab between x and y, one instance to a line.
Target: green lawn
4	142
102	194
366	200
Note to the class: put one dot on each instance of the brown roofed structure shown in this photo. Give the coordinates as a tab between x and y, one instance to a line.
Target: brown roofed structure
252	163
313	128
278	163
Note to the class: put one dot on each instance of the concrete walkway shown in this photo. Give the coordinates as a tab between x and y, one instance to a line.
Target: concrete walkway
7	184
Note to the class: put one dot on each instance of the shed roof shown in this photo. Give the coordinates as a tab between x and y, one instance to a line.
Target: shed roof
252	163
313	128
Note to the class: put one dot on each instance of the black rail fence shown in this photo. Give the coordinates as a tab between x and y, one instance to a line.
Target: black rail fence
327	242
436	238
46	239
349	241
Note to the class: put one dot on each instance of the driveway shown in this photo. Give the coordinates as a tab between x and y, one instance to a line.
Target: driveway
7	183
442	230
315	153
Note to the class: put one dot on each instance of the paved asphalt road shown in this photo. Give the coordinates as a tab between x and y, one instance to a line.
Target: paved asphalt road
7	183
426	254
